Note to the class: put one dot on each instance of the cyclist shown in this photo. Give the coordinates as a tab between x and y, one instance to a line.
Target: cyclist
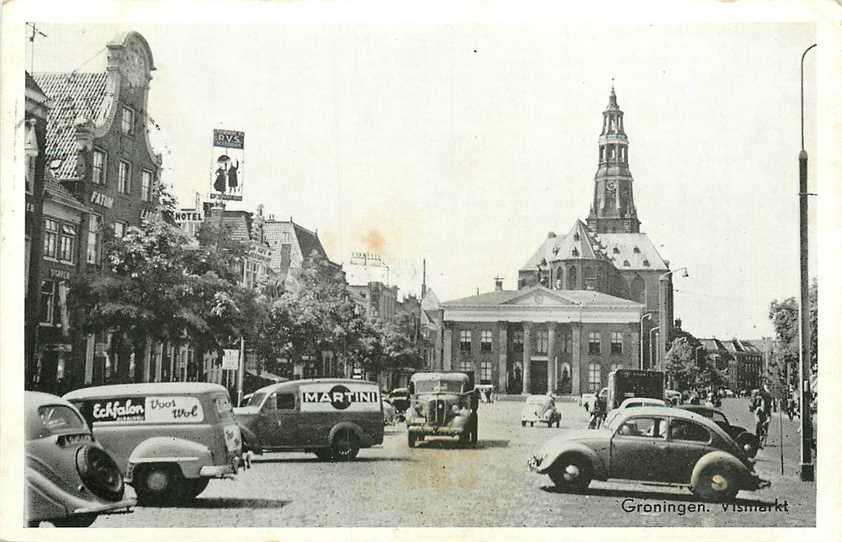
762	407
598	412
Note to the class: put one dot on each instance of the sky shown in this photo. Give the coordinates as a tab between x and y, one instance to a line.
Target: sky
464	144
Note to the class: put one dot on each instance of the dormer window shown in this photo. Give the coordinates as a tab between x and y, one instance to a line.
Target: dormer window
576	236
575	251
626	263
636	250
616	250
645	263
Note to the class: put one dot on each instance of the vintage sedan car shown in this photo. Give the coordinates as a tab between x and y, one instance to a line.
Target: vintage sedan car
632	402
534	411
650	445
443	403
746	440
70	479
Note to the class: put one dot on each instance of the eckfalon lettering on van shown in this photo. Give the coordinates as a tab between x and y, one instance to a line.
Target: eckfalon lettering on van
355	397
118	410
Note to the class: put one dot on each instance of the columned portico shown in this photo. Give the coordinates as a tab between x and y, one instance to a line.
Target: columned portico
576	347
527	356
447	362
503	357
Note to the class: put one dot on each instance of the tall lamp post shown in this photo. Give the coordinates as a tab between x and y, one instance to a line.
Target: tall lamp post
807	468
665	310
643	317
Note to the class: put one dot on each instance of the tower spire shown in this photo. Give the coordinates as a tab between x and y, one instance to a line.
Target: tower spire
613	209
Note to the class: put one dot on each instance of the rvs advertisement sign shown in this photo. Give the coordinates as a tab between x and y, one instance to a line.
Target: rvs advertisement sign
227	165
340	397
143	409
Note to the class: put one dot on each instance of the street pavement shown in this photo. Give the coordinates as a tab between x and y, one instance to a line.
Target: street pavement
440	484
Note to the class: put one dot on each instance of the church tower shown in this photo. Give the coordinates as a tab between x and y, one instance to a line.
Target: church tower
612	209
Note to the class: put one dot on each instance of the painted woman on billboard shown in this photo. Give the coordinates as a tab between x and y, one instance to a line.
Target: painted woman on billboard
227	176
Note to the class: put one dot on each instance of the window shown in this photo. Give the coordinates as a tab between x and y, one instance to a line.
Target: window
593	342
98	167
31	155
285	236
465	341
687	430
567	344
466	365
517	341
146	185
485	371
94	223
594	377
127	121
616	342
48	302
26	255
643	427
541	338
67	243
50	238
119	229
124	177
485	341
285	401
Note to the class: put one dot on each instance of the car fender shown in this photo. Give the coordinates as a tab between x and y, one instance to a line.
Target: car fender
599	470
249	438
358	432
719	459
190	456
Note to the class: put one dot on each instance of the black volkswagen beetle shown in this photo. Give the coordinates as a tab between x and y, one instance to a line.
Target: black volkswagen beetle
746	440
70	479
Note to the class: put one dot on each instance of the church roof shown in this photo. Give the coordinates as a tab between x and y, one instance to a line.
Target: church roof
430	301
578	243
77	98
562	297
635	248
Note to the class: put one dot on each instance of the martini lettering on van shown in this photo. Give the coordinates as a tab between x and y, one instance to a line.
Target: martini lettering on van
340	397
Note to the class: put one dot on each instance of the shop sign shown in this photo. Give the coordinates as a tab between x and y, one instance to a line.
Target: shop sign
59	274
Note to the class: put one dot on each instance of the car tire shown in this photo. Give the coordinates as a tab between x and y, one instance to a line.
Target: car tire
344	445
99	473
158	484
193	487
324	454
571	473
748	443
717	483
76	520
410	439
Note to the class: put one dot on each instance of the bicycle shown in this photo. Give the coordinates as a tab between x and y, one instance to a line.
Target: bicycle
762	429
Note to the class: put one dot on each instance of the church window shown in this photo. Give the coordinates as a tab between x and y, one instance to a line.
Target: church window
626	263
571	278
602	153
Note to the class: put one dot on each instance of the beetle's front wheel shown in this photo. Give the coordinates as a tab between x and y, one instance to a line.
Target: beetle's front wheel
571	473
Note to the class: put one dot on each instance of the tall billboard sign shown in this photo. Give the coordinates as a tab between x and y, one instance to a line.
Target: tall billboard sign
227	167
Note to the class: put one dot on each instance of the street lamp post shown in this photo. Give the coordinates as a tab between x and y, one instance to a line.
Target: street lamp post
807	468
643	317
652	350
665	309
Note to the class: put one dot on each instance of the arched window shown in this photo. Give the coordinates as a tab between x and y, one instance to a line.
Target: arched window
638	289
571	278
594	377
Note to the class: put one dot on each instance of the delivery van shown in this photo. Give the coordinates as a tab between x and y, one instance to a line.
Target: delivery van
332	418
168	438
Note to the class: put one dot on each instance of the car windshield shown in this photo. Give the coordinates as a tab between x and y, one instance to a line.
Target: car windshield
256	399
59	419
438	386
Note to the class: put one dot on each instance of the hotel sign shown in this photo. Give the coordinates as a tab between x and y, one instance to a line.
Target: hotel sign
98	198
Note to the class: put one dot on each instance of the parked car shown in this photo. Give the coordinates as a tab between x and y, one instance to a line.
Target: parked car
331	417
534	411
633	402
70	479
672	397
442	404
745	439
650	445
169	438
399	398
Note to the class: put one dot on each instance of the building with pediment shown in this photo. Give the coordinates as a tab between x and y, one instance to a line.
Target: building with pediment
582	298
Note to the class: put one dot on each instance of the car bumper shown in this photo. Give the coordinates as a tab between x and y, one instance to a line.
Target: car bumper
436	430
533	464
107	508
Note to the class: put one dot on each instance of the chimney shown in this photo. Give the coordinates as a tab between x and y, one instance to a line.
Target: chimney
498	284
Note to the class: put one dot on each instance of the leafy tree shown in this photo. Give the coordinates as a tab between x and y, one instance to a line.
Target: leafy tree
684	369
787	348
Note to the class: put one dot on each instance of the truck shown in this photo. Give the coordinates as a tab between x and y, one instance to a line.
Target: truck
625	383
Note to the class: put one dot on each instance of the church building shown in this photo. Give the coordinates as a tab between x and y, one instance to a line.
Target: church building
583	297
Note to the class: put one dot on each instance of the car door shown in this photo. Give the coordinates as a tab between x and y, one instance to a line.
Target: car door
639	449
279	420
688	442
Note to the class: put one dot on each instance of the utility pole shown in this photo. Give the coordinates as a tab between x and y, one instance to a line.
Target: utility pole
34	32
807	467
